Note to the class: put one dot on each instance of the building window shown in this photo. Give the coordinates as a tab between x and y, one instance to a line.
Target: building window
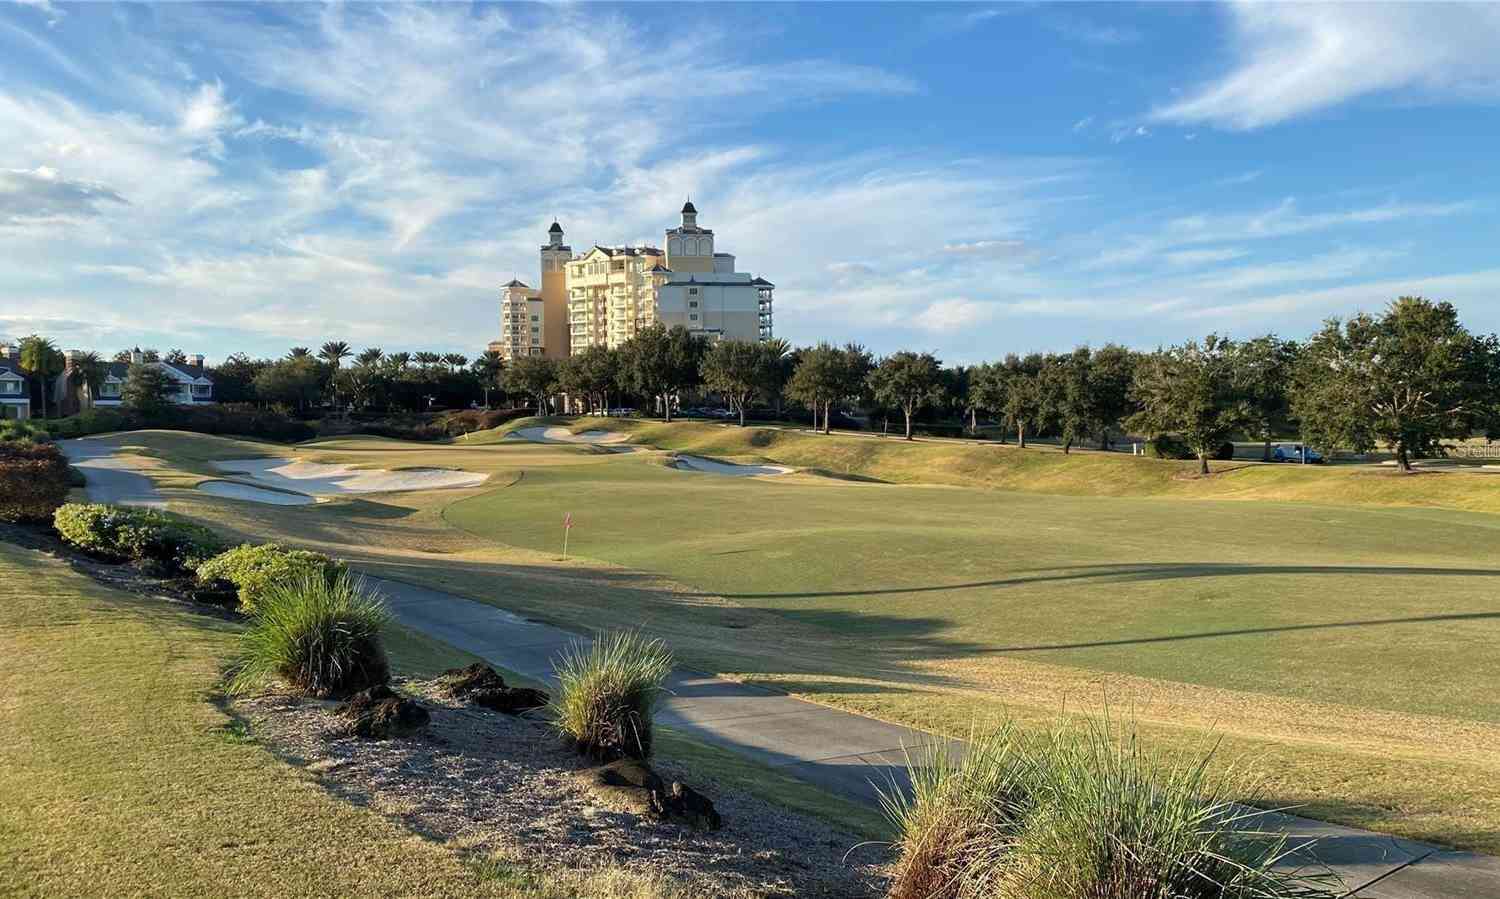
110	389
693	317
692	291
201	390
10	387
692	304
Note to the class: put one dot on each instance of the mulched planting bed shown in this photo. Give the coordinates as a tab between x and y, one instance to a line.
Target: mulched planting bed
506	787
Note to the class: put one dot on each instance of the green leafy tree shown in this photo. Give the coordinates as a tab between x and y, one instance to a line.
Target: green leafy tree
150	355
175	356
739	370
817	378
532	376
1023	395
988	389
659	362
147	390
908	381
1195	390
234	378
1066	388
43	362
1267	364
295	381
855	365
1112	370
1407	379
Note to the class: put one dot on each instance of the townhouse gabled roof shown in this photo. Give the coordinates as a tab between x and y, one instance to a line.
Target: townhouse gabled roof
628	251
761	282
12	368
517	282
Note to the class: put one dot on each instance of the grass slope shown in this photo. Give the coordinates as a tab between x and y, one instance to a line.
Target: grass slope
1349	649
121	777
1047	470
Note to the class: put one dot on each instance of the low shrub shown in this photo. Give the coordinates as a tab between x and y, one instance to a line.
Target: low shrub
320	635
127	534
1087	811
16	431
1169	446
252	569
33	481
608	694
1224	452
99	420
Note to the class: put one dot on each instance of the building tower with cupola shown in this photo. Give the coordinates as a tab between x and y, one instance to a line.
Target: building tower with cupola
605	296
555	258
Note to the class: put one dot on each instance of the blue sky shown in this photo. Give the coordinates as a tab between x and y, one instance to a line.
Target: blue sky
969	179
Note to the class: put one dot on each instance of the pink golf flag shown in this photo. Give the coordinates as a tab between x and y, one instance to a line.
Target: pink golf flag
568	521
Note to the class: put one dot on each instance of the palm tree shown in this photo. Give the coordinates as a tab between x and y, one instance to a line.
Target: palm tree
427	360
40	357
455	361
299	352
335	352
370	356
488	367
400	360
88	373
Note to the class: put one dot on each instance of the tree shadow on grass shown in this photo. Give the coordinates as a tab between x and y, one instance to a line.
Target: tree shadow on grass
1133	573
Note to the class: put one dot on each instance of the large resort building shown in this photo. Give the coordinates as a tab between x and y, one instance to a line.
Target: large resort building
606	295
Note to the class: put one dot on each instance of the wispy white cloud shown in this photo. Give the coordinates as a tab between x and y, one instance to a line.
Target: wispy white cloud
1295	59
1088	31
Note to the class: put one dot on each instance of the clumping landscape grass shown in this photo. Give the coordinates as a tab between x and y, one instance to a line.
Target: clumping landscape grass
608	694
959	804
319	634
1085	811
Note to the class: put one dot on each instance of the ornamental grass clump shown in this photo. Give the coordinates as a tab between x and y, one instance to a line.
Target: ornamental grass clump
1087	811
961	805
321	635
609	694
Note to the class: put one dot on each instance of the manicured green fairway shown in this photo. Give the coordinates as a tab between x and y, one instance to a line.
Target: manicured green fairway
1349	605
1337	628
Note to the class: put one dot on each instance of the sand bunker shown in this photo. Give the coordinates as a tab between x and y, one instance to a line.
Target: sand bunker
563	435
232	490
709	466
319	479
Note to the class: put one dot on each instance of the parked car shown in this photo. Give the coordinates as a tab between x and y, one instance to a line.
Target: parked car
622	411
1292	452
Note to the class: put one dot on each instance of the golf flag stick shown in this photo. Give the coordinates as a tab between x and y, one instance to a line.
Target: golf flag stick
567	526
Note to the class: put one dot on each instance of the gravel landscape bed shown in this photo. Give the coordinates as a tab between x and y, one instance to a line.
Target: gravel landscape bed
506	787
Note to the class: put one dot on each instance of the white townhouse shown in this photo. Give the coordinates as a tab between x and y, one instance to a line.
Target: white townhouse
15	387
191	383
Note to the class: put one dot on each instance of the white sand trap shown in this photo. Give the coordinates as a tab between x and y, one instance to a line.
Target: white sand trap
563	435
319	479
709	466
255	494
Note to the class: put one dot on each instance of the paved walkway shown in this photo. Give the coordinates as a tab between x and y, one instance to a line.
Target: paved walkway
844	753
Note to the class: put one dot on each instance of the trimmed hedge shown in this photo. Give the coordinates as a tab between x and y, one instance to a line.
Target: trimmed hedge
239	419
33	481
126	534
253	569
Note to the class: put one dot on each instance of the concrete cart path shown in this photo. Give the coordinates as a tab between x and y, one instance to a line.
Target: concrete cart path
841	752
849	754
110	478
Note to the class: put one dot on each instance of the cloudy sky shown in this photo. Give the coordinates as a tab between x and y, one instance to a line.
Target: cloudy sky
968	179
